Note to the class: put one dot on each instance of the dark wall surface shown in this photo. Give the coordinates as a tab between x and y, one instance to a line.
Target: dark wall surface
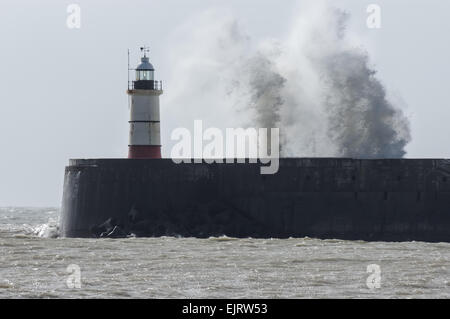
389	199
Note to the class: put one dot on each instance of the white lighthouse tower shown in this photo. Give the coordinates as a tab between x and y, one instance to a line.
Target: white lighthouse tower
144	92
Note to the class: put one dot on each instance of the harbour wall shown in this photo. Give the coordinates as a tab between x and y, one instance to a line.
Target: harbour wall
355	199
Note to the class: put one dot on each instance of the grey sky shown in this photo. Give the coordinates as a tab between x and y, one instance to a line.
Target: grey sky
63	90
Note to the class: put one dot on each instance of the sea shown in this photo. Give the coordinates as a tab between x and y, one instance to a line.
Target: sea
35	262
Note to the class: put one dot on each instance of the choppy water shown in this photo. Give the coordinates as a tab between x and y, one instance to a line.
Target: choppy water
34	263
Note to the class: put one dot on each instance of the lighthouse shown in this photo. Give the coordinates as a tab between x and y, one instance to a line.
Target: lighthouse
144	91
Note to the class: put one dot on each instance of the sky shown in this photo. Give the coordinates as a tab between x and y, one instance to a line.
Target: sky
63	90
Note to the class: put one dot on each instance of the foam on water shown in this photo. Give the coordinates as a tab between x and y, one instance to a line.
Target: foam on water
47	230
28	221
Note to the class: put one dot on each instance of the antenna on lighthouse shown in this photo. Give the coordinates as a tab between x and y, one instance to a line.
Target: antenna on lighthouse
128	84
145	50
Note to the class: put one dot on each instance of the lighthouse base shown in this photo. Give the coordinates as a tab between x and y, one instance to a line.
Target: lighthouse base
144	151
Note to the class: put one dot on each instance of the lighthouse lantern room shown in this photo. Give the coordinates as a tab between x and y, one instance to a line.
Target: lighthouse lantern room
144	92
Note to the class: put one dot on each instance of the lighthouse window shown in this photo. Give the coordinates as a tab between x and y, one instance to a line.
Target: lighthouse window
146	75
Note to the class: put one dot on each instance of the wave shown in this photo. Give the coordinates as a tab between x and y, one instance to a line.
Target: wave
27	222
47	230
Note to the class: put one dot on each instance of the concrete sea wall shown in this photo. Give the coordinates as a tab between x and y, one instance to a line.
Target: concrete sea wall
386	199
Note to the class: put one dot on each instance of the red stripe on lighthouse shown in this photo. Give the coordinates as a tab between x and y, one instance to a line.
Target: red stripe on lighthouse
144	151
